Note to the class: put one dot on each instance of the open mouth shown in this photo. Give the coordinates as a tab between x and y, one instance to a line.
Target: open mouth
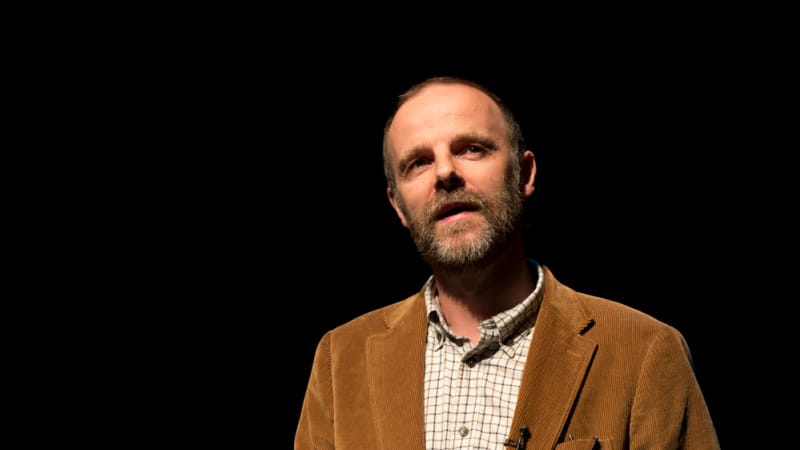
451	209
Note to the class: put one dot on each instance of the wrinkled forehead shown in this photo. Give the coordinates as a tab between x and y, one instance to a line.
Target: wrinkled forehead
441	111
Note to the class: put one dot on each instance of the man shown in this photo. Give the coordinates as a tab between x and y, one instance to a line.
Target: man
493	351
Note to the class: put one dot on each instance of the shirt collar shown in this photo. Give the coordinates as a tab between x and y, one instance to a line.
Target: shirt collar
509	323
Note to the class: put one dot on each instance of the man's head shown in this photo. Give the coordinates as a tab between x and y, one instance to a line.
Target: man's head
457	171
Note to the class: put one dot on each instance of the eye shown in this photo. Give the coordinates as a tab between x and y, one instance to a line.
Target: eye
473	149
417	163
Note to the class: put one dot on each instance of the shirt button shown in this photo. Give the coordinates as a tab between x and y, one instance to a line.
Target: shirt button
463	431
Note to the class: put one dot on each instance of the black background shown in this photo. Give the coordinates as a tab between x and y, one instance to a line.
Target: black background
266	223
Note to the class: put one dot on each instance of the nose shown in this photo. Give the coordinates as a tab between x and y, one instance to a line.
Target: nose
447	177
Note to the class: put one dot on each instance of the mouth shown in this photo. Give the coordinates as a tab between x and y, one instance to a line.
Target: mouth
453	209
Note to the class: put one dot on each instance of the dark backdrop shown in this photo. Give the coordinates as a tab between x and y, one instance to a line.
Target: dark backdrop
273	225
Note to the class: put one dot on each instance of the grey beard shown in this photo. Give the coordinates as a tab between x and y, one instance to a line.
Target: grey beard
501	216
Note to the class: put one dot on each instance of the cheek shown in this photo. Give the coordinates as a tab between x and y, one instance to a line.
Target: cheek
415	194
413	200
488	183
486	174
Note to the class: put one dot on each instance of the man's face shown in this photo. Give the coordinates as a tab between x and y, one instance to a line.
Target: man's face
457	181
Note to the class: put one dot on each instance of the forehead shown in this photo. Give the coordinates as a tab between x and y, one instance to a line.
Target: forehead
441	111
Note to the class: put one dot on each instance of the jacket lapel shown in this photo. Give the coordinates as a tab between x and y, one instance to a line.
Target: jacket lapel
557	363
396	373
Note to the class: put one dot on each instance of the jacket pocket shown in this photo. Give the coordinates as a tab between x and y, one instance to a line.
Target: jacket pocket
585	444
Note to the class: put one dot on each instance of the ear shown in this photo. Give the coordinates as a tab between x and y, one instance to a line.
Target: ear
527	173
397	210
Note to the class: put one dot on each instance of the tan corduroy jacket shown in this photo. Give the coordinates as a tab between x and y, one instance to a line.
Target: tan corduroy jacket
596	368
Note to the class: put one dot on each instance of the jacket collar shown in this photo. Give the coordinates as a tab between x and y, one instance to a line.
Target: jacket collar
558	360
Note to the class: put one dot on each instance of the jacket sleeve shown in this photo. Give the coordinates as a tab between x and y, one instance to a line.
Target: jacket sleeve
669	411
315	426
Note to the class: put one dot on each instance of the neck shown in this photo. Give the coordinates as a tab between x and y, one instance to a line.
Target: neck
471	296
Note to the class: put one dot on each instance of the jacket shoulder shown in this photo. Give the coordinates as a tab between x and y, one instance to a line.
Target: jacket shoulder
595	311
383	318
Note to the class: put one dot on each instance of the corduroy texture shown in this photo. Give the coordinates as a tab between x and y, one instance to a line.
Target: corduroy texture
596	368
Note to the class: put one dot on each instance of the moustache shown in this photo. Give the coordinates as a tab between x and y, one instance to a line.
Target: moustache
467	200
